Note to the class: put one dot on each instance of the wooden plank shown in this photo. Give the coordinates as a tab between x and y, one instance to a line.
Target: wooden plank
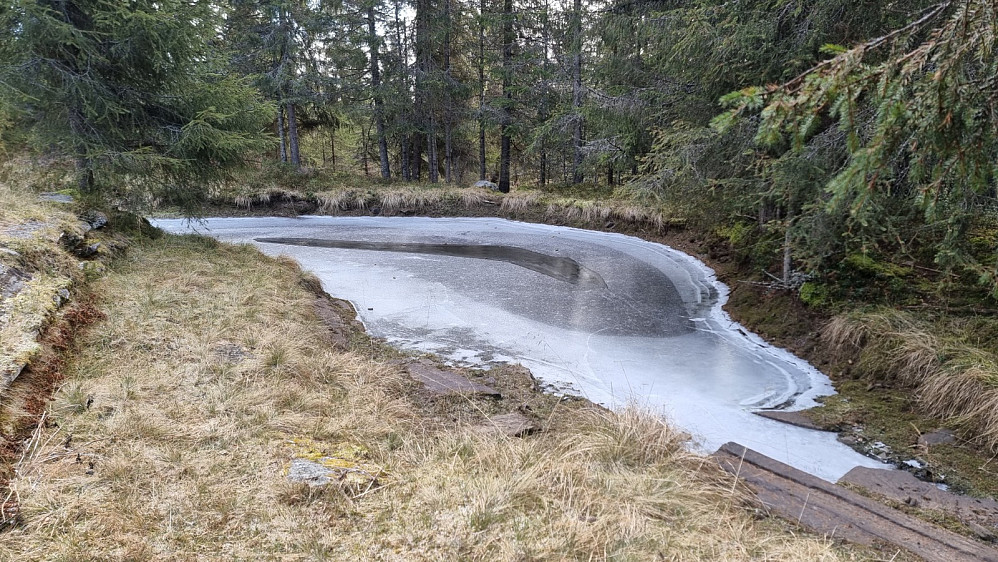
842	513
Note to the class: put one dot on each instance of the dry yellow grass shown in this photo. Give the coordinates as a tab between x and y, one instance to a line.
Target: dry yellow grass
953	380
173	431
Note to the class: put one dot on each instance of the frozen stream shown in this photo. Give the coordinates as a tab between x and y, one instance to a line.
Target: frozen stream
606	316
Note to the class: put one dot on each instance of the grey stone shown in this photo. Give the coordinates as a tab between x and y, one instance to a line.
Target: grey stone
837	511
95	219
486	184
55	197
312	473
24	230
231	352
513	424
12	280
793	418
901	486
441	382
937	437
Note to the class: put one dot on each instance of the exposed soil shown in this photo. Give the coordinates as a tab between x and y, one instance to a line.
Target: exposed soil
27	397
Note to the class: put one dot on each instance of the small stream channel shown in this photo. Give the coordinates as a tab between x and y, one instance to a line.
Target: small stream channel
610	317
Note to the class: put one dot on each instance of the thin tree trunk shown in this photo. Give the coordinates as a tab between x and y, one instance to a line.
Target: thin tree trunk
294	155
363	150
416	152
449	106
280	133
481	90
577	91
448	152
787	250
379	111
544	116
332	148
404	157
507	68
431	152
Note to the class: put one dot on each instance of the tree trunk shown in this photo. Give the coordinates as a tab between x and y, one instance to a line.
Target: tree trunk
507	68
448	152
787	251
449	106
416	152
293	154
431	152
379	111
577	91
280	133
364	150
84	175
404	157
481	90
332	149
544	112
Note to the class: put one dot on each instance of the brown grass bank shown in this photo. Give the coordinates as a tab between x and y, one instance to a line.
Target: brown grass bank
172	435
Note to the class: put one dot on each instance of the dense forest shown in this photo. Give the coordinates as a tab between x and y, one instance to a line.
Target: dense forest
814	133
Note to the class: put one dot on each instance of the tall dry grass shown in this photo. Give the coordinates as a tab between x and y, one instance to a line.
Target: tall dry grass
172	434
952	379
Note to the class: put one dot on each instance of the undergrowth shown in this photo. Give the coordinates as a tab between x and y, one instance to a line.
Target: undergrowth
954	377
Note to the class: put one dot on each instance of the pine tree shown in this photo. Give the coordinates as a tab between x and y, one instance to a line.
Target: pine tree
129	88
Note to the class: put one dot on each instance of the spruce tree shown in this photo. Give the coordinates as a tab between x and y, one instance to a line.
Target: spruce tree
128	89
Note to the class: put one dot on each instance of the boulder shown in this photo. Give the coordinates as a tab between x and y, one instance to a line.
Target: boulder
486	184
94	219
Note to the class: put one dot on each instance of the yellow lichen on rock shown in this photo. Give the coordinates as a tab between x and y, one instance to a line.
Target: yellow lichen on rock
345	461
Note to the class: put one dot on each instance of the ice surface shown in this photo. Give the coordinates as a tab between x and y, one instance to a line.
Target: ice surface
654	335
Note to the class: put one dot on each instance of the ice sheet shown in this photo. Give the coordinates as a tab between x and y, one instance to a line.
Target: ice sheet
647	329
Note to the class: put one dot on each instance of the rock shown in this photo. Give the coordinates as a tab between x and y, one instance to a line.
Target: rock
937	437
94	219
12	280
230	352
339	329
441	382
311	473
837	511
792	418
486	184
55	197
61	297
980	514
513	424
86	251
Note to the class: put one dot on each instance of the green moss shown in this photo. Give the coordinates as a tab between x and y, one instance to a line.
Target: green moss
815	294
865	415
866	264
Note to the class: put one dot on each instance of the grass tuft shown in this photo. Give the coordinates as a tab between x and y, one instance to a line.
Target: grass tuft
953	379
